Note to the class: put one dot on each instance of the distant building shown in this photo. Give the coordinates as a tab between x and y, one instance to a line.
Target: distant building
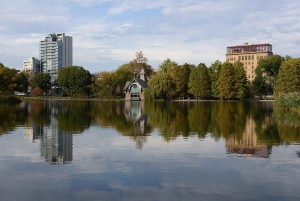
56	52
31	66
134	90
248	54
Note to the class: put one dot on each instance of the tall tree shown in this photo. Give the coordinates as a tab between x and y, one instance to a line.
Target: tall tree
75	79
41	80
180	75
240	81
199	82
266	73
214	73
226	81
288	77
138	63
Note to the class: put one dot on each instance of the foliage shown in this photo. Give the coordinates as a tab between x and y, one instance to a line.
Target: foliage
75	79
199	82
214	72
240	81
11	80
288	77
289	100
37	91
226	81
266	74
180	76
42	81
160	86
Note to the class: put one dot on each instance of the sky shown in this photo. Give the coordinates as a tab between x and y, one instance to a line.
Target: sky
108	33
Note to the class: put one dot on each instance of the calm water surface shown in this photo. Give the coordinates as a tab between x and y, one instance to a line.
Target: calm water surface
57	150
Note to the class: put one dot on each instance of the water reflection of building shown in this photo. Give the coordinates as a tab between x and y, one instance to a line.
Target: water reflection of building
248	145
134	112
33	132
56	147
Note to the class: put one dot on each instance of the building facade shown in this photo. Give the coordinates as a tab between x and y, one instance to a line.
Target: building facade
248	54
31	66
56	52
134	90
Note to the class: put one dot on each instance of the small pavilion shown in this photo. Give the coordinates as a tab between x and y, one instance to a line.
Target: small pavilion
134	90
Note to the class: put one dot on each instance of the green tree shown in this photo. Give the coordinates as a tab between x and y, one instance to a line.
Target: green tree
214	73
199	82
75	79
180	76
160	86
288	77
226	81
266	74
41	80
11	80
240	81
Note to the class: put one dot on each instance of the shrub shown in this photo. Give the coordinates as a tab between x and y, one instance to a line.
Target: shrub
289	100
37	92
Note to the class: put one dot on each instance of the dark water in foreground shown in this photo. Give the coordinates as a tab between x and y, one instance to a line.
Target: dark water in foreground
148	151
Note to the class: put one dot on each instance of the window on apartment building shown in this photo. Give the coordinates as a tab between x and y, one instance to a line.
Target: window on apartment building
239	57
249	57
257	57
252	57
245	57
234	59
242	57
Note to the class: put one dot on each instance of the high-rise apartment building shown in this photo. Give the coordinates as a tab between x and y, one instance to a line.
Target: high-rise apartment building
56	52
31	66
248	54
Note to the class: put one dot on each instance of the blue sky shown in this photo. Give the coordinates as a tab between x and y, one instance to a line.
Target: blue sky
108	33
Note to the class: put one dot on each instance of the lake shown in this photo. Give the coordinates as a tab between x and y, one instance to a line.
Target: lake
116	150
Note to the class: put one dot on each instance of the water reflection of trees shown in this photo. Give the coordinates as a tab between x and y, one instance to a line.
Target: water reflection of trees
170	119
12	116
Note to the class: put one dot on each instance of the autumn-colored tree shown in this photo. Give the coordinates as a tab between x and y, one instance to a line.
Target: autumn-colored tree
199	82
37	91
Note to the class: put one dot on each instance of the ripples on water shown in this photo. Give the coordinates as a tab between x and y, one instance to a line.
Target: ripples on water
161	151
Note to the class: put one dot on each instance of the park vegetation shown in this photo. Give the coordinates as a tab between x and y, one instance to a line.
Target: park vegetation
275	75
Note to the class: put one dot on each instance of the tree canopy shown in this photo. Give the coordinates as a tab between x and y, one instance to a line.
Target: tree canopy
75	79
11	80
41	80
199	82
288	77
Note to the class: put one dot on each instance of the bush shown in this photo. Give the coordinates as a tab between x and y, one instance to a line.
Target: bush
289	100
37	92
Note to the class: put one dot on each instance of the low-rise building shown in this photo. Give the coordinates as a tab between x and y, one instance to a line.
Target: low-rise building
32	66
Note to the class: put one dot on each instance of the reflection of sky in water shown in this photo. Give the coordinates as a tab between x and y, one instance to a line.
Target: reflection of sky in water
107	166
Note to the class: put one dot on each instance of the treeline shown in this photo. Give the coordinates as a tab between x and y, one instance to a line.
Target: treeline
274	75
